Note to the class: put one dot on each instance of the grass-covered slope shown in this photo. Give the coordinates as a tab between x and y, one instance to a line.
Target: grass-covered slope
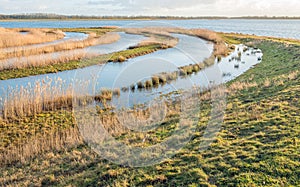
258	145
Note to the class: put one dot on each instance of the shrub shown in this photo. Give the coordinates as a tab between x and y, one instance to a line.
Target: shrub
219	58
155	80
121	58
149	84
182	72
124	89
132	87
117	92
162	79
140	85
171	76
196	68
106	94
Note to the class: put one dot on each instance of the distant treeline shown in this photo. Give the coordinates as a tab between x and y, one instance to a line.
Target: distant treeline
65	17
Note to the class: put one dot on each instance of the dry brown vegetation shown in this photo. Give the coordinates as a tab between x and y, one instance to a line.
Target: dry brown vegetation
13	37
220	47
230	36
62	46
33	99
45	59
30	60
155	36
40	143
64	52
29	102
48	95
40	136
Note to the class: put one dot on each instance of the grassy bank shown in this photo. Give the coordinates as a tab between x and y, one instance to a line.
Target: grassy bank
30	71
258	145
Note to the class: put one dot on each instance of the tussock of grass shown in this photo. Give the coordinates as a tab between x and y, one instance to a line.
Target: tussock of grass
149	84
140	85
155	80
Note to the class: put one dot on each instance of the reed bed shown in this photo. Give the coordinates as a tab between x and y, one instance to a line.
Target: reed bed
47	95
43	101
63	46
45	59
13	37
220	47
166	41
155	36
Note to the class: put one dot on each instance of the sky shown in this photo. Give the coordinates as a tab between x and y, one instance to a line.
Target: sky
154	7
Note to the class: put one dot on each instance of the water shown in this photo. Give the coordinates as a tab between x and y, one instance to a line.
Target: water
126	41
220	72
123	43
189	50
145	66
276	28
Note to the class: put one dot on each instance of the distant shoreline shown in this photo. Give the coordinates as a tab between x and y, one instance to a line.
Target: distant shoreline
133	19
54	17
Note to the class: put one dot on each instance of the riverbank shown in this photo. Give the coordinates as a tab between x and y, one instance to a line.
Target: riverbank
157	39
258	145
58	67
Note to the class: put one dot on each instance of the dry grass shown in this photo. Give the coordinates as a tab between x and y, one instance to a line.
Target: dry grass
155	35
38	144
63	46
220	47
13	37
48	95
286	41
33	99
293	75
45	59
237	86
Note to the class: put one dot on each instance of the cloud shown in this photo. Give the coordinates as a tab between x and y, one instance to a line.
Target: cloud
170	4
103	2
155	7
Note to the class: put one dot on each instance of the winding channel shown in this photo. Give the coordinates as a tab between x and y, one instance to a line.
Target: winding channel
189	50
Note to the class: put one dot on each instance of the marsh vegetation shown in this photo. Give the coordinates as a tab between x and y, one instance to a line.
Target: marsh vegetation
258	143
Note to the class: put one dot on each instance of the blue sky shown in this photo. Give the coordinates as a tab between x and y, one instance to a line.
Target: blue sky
155	7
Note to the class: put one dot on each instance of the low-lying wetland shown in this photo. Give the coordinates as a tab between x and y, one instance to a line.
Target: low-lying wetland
258	143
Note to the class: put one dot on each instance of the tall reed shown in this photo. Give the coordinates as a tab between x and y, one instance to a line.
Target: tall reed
61	46
13	37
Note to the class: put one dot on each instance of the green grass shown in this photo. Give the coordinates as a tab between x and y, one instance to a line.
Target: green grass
258	145
138	51
98	30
